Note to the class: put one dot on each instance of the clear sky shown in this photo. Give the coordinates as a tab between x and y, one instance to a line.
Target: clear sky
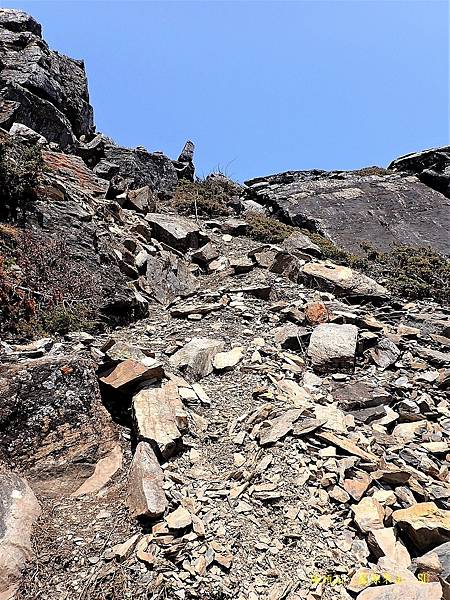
262	87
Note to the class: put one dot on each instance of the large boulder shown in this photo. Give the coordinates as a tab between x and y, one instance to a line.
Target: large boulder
352	207
42	89
19	509
52	422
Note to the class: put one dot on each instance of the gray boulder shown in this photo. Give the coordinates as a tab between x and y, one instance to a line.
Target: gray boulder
333	347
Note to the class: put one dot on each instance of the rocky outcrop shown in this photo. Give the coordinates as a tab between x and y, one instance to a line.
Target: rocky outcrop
432	167
42	89
353	207
136	168
52	422
71	206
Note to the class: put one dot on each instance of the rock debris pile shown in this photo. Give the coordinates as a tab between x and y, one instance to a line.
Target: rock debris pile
256	422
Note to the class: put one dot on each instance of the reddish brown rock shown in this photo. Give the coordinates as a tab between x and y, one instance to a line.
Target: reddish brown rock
131	372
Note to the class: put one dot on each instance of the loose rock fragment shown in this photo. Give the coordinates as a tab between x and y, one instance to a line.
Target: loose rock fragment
369	514
279	427
20	509
160	416
145	493
179	518
228	360
132	372
385	353
333	347
383	542
197	356
342	280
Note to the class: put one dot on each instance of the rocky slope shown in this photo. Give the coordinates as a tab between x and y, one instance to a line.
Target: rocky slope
252	421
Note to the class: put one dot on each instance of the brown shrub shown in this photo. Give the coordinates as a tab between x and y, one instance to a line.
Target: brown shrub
44	290
203	197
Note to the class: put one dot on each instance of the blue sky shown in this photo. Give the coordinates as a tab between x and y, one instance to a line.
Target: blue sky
262	87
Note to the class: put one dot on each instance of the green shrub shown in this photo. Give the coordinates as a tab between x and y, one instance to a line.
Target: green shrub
414	273
267	229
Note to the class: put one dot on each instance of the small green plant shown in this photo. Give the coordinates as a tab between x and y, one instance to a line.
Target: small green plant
414	273
20	167
267	229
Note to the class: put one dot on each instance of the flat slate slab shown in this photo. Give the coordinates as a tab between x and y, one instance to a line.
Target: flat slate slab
350	207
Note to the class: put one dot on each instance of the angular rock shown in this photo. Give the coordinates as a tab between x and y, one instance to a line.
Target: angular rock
175	231
139	168
291	337
359	395
204	255
197	356
357	485
228	360
179	518
19	511
342	281
160	416
131	372
298	244
277	428
105	470
333	347
385	353
241	265
195	309
437	562
369	514
167	278
347	445
425	523
384	542
141	200
145	492
184	165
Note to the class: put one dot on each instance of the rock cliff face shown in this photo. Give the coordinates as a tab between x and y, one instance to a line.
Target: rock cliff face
42	89
352	207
